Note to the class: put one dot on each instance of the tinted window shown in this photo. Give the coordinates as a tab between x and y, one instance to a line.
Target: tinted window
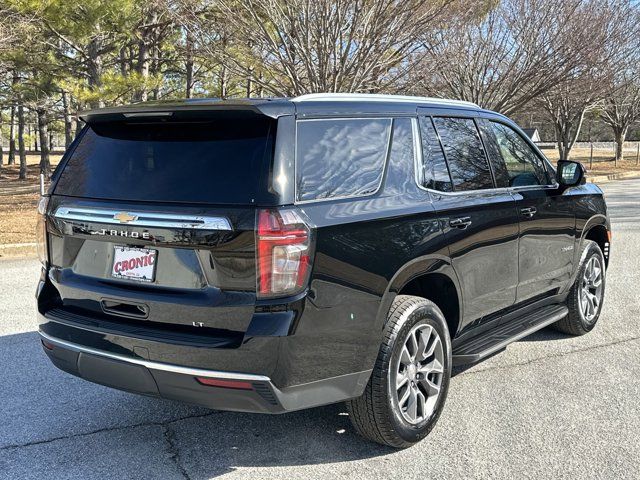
493	152
401	157
465	156
435	174
524	167
340	157
203	162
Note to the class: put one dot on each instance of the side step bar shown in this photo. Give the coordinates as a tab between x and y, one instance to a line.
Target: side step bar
496	339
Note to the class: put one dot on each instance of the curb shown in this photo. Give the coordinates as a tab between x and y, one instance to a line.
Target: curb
14	250
614	176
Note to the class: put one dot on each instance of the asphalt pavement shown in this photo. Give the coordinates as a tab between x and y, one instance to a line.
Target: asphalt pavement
550	406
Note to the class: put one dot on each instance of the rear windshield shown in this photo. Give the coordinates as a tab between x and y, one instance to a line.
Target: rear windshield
218	161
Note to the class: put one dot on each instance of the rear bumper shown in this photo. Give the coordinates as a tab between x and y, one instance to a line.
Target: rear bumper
177	382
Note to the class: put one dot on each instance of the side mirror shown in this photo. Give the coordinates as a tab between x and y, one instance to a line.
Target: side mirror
570	173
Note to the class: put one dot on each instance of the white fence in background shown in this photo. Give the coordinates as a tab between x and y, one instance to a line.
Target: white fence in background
628	146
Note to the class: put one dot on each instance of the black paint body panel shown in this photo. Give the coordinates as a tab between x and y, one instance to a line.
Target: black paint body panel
366	250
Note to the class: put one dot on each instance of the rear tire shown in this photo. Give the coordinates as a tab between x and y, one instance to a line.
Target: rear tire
409	383
587	293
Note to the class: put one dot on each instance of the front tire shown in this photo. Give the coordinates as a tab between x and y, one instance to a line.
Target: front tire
409	383
587	293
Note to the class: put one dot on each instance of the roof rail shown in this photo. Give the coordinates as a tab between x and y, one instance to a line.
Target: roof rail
375	97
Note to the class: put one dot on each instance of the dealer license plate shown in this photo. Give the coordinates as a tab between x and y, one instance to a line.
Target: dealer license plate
134	263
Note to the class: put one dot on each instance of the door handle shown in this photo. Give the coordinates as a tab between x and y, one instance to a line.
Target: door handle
461	223
529	211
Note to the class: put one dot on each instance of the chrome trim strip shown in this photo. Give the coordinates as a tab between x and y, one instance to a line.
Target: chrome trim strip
167	367
143	219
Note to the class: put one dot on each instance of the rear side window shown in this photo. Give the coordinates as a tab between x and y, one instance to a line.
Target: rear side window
218	161
435	174
467	162
340	157
493	152
401	157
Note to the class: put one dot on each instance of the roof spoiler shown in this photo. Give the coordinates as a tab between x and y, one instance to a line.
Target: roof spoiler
188	110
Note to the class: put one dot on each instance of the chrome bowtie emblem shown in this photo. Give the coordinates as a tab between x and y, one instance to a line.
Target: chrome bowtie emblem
124	217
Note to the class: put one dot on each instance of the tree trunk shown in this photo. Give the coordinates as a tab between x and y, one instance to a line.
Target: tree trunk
260	87
562	139
145	48
78	128
223	72
249	81
156	69
21	148
565	137
95	70
35	137
143	70
619	136
189	64
122	59
68	126
12	137
563	150
1	144
45	162
223	82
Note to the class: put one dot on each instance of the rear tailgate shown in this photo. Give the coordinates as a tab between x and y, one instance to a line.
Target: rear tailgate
193	269
152	224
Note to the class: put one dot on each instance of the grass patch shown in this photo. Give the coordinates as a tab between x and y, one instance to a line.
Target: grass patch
18	201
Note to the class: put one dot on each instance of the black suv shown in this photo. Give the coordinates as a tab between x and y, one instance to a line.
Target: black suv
269	255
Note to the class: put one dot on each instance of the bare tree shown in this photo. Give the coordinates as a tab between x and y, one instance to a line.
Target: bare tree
622	108
515	52
320	46
612	31
566	106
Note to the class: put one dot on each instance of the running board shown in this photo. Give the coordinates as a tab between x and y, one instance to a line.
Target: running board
496	339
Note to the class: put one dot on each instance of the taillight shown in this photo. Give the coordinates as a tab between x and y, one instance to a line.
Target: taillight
283	252
41	230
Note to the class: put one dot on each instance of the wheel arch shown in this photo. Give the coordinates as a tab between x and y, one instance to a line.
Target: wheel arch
597	230
431	277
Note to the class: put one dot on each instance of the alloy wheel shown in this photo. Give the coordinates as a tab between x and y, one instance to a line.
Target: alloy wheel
419	373
591	289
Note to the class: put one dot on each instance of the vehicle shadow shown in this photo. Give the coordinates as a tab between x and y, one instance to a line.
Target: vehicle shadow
545	335
42	406
225	441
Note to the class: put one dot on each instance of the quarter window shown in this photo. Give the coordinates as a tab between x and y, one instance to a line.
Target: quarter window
340	157
524	167
467	161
